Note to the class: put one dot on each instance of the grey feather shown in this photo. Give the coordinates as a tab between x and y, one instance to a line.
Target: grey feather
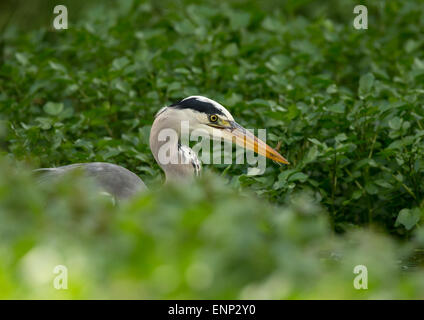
116	180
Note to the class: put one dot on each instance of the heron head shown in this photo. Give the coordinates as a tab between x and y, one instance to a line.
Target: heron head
211	117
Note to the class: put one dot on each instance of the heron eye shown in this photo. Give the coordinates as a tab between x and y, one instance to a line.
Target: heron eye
213	118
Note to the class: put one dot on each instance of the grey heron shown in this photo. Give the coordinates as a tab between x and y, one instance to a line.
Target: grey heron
199	113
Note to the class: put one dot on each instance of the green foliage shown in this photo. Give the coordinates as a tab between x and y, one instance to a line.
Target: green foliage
208	243
346	104
348	113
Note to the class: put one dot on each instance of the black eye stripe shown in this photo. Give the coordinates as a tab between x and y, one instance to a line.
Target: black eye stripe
197	105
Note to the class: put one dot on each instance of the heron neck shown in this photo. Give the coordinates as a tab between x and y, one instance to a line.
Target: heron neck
167	151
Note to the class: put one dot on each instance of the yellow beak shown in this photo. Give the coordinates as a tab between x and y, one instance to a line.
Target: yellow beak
247	140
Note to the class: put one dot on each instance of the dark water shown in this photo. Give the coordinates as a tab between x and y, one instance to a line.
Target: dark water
413	262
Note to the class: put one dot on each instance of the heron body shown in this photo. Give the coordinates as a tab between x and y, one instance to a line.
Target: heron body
199	113
114	179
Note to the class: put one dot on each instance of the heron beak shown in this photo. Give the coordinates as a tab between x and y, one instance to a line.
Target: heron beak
244	138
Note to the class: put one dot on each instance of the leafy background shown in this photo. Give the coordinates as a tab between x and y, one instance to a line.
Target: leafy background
345	104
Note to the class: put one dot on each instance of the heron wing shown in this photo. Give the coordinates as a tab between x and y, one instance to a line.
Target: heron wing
116	180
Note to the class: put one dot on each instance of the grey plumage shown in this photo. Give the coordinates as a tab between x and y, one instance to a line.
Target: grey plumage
114	179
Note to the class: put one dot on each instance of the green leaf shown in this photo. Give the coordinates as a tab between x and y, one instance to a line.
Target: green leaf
278	63
383	183
408	218
315	141
395	123
272	24
184	27
366	83
57	66
371	188
341	137
298	176
411	45
239	20
44	123
312	154
337	108
230	50
120	63
53	108
357	194
332	89
22	58
259	102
